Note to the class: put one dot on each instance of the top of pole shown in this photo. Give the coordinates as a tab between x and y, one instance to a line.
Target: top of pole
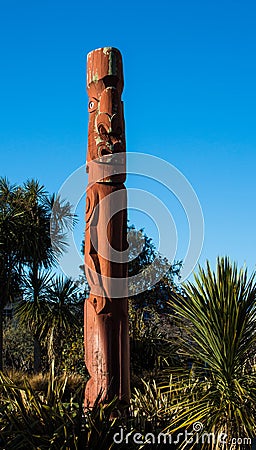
106	160
103	63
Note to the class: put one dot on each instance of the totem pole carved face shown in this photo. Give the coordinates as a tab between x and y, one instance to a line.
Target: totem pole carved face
106	133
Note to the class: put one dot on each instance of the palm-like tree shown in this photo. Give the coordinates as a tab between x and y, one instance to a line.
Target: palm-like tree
11	252
33	228
63	314
219	318
33	309
46	219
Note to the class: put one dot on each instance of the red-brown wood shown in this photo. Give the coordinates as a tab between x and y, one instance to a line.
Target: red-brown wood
106	315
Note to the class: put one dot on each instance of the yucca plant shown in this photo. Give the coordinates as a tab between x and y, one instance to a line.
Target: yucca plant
32	421
218	316
152	404
45	420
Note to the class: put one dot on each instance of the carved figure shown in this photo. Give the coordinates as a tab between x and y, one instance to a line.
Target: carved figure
106	311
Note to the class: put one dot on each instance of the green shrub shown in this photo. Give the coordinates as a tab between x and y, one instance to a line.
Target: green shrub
17	347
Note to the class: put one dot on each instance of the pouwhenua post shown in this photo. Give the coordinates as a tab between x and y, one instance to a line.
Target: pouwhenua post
106	330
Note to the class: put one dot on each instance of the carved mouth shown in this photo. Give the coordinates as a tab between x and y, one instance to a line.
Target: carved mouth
105	154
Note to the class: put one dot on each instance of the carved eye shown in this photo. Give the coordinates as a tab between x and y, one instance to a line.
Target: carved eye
92	106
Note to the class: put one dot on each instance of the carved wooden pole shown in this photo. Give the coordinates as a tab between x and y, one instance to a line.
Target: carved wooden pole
106	310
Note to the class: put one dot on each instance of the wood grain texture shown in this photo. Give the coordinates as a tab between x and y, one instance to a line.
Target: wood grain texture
106	333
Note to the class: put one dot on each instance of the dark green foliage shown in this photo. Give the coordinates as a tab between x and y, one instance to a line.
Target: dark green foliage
153	350
47	420
55	319
30	420
73	353
218	315
192	347
150	324
158	295
32	236
17	346
11	248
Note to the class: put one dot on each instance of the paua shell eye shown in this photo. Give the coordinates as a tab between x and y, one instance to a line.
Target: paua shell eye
92	106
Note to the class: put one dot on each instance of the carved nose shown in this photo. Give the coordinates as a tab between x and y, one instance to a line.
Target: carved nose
107	124
104	123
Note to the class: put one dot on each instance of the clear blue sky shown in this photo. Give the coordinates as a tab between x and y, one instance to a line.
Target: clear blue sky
190	96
